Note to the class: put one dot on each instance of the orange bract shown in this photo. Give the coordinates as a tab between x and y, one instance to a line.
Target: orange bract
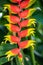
24	13
23	44
14	39
24	23
14	9
15	51
14	19
24	4
23	33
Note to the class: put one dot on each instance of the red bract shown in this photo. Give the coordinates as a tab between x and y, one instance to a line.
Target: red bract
15	28
24	23
24	13
14	9
12	28
24	4
23	44
26	32
15	51
14	39
26	44
14	19
23	33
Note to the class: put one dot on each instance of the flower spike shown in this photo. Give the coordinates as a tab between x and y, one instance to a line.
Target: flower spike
18	18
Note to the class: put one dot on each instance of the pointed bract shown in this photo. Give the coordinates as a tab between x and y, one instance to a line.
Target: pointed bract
12	19
12	28
12	39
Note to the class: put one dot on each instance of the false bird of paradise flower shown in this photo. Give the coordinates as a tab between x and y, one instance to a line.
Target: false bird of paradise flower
22	20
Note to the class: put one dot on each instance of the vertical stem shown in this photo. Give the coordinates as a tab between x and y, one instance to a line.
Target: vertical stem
12	61
32	55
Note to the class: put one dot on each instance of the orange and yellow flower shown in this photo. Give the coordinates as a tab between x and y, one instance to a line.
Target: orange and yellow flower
12	39
12	19
12	28
27	32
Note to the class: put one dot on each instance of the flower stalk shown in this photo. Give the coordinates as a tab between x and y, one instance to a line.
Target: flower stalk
12	61
32	55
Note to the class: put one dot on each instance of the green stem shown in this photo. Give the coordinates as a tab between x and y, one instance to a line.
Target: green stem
32	56
12	61
18	61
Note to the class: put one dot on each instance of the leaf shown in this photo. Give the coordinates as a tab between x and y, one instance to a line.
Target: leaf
3	60
5	47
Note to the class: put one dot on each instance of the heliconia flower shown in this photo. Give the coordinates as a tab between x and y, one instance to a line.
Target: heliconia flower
12	39
27	13
26	32
29	22
15	1
12	52
12	19
26	44
12	28
20	56
12	8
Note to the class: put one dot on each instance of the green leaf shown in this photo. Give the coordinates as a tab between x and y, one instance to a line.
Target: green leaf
3	60
6	47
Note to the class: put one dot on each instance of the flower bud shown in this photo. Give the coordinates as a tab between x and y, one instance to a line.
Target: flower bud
20	57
